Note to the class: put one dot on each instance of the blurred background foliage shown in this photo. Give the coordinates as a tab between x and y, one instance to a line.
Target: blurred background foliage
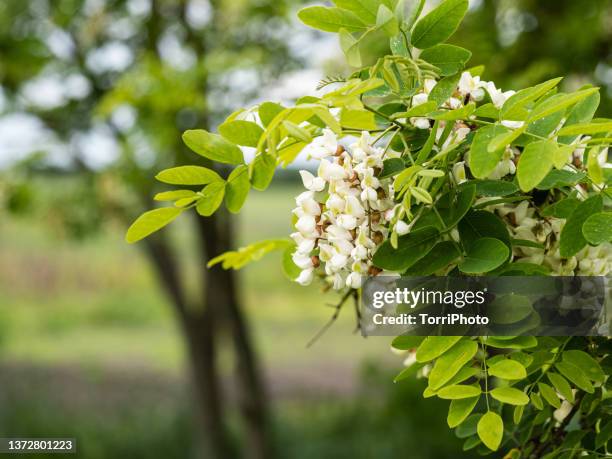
93	97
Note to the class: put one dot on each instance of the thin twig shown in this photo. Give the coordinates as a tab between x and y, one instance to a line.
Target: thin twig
335	315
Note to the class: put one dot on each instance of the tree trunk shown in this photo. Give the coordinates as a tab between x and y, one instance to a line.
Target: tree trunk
222	291
198	325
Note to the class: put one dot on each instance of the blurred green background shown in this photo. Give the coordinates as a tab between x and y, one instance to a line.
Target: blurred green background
93	97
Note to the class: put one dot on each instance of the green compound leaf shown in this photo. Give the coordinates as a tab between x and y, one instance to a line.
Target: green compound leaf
491	430
535	163
449	364
459	391
459	410
151	221
482	224
508	369
439	24
434	346
448	58
572	239
484	255
494	188
597	229
510	395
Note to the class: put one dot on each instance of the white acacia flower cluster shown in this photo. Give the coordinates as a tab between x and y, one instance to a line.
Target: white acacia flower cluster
344	214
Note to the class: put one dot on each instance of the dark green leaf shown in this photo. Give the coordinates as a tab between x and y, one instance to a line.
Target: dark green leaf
597	229
443	254
410	249
572	239
535	163
484	255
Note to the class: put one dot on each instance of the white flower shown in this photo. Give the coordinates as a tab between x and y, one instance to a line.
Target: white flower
419	99
331	171
360	252
306	246
335	203
429	85
459	172
420	123
337	281
369	194
311	182
337	262
401	227
353	280
354	207
305	277
471	86
322	146
337	232
302	261
326	252
347	222
306	224
504	167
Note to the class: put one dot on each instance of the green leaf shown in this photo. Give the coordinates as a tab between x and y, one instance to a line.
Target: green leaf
484	255
549	395
290	269
597	229
501	141
514	107
391	167
550	106
174	195
411	248
365	9
572	239
443	254
487	110
586	363
510	395
444	89
386	20
212	146
357	119
562	386
536	400
268	111
419	110
461	113
434	346
482	162
331	19
575	375
459	410
350	47
562	155
241	132
480	224
582	113
448	58
508	369
491	430
407	342
262	171
517	414
492	188
604	435
459	391
592	128
188	175
561	209
151	221
212	196
535	163
560	178
520	342
451	362
420	194
439	24
237	188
